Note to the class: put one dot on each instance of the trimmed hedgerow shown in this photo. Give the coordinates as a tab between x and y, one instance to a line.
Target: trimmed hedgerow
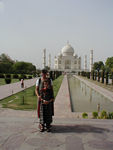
7	80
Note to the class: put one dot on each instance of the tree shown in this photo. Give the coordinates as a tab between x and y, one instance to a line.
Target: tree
6	59
109	63
112	75
98	65
24	68
5	64
5	67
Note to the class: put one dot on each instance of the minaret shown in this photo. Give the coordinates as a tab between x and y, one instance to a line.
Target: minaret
85	63
49	61
91	60
79	63
44	58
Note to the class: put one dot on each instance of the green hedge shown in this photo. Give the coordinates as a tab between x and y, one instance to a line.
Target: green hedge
15	76
2	75
8	75
7	80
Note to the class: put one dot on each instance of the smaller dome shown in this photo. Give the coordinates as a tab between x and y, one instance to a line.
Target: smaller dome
67	50
76	55
59	55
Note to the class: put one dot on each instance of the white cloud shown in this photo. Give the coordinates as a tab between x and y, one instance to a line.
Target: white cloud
1	6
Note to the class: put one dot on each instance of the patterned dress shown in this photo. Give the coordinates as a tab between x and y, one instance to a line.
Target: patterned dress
46	110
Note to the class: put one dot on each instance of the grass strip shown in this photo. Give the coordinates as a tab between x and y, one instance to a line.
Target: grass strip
2	81
27	100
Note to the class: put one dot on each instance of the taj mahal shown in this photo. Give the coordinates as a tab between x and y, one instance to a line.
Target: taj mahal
67	60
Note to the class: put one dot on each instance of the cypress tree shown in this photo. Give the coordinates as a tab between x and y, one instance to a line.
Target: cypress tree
95	75
98	76
102	76
106	78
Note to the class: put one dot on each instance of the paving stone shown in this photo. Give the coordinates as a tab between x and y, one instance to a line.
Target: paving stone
13	142
101	144
73	142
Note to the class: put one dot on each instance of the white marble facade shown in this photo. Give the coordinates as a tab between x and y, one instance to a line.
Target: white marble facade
67	60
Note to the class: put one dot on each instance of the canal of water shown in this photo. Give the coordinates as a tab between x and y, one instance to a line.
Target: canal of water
85	99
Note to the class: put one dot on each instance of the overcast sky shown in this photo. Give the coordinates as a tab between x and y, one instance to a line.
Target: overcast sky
29	26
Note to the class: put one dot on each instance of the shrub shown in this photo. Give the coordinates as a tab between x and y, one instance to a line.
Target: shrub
25	77
110	115
92	74
29	77
103	114
15	76
85	115
83	73
7	80
88	75
79	73
2	75
99	117
95	75
38	75
34	75
22	76
8	75
95	115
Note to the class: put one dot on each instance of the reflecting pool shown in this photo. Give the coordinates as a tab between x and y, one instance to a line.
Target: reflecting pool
85	99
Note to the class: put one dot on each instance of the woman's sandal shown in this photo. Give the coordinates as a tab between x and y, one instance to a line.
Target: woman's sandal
41	127
48	128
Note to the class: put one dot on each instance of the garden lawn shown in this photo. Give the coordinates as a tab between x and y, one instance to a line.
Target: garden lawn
2	81
27	100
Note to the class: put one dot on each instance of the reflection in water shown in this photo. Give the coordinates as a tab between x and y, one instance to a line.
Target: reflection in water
85	91
85	99
90	95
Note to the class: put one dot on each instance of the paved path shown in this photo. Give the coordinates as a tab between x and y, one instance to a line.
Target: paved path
9	89
62	101
108	94
19	129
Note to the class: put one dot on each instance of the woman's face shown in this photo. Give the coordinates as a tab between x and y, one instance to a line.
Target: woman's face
46	84
44	75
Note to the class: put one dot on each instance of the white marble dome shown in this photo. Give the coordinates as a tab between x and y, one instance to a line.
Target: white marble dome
67	50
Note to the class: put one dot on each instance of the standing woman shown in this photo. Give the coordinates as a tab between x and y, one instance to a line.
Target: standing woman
45	109
22	83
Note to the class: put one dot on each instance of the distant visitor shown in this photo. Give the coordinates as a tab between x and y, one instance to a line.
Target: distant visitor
22	83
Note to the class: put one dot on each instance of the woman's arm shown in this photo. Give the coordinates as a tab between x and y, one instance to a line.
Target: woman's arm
37	88
51	100
36	91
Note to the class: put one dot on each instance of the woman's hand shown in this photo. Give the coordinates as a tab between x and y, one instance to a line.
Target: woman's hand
45	102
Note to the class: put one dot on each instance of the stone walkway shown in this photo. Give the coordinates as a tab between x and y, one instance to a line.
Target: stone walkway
101	90
9	89
62	101
19	129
